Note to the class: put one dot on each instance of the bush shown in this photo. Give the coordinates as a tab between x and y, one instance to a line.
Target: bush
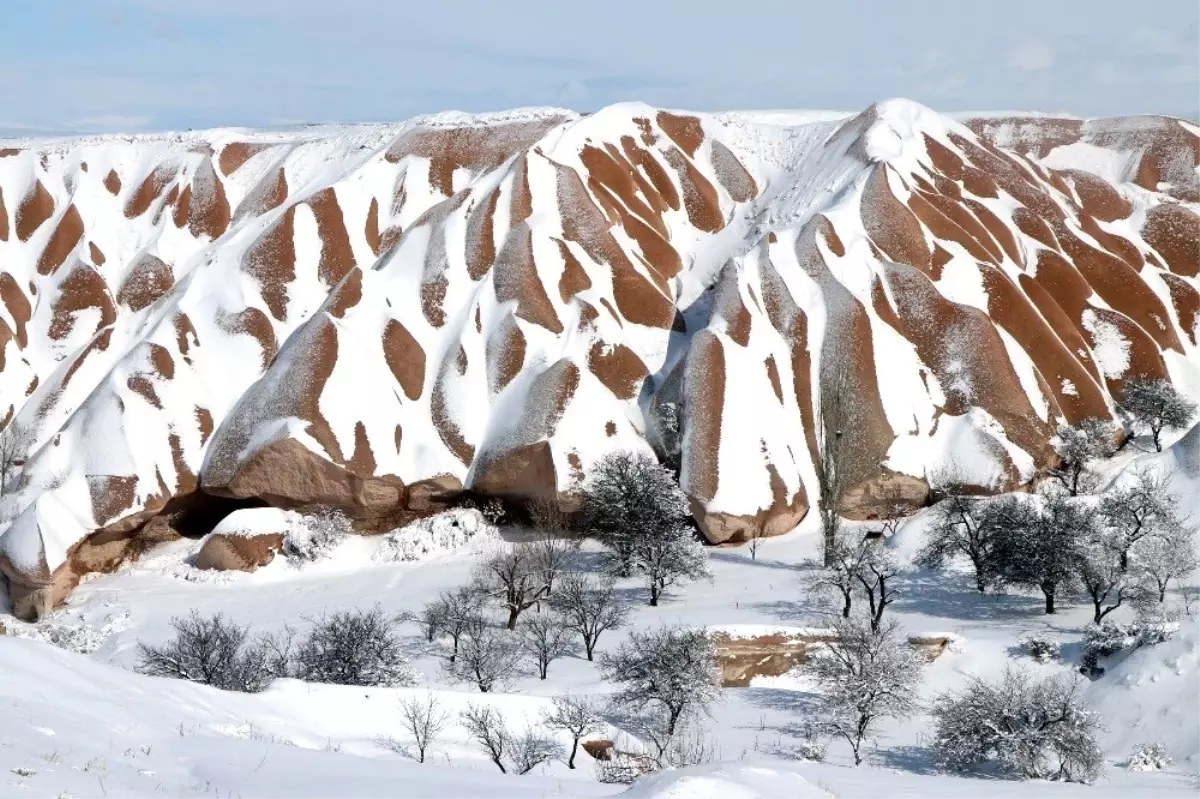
316	535
1108	638
522	753
1150	757
1041	648
353	648
213	652
1025	728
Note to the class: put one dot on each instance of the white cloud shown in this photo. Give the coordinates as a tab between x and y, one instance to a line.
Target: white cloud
112	121
1031	56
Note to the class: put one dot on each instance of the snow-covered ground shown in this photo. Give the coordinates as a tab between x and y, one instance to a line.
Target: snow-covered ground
88	725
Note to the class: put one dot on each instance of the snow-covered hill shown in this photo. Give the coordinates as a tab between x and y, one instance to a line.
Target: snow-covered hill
378	317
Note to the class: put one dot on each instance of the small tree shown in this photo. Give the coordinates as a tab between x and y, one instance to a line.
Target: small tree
1157	405
487	656
552	555
876	575
544	638
866	674
1040	546
752	544
838	580
424	720
515	576
589	607
1102	578
965	527
531	749
433	617
487	728
1168	555
667	557
1033	729
353	647
576	716
627	497
16	440
460	608
1078	447
1142	507
662	675
833	469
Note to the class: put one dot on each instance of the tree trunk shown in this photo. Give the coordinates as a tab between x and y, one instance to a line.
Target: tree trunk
513	613
846	606
574	747
1049	592
1157	431
653	594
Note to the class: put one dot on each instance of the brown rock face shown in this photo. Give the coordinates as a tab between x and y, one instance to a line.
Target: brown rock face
243	553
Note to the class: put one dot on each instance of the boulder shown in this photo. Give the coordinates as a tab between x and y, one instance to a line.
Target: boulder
244	553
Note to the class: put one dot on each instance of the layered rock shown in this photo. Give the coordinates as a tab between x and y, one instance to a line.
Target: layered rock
378	318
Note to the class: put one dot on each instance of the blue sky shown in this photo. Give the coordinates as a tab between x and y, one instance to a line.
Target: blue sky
173	64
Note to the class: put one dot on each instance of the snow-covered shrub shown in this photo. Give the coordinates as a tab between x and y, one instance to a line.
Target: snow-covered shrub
315	535
812	749
623	768
1041	648
443	532
1150	757
490	508
354	647
1025	727
213	651
1108	638
81	638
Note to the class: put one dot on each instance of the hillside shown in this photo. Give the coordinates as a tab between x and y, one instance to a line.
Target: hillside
380	317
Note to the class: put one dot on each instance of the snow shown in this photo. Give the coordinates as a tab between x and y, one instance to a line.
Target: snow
254	521
1111	348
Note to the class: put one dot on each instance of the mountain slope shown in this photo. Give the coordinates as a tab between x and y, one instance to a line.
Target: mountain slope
381	317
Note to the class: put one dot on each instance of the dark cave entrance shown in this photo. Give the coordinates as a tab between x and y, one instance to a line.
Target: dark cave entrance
195	515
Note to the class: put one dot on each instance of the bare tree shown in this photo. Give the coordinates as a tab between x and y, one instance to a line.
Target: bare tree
1140	508
965	527
867	674
424	719
1157	405
1041	542
552	555
663	675
755	538
531	749
524	753
1102	577
544	638
1168	555
576	716
589	607
839	579
487	655
487	728
832	471
514	576
1078	447
459	608
876	575
433	617
668	556
16	440
1021	724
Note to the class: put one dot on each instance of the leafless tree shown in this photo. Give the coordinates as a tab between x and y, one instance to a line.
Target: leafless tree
876	574
544	637
1103	579
965	527
1078	447
1143	507
432	617
589	607
663	676
838	580
531	749
1157	405
833	469
515	576
487	728
574	715
867	674
424	720
15	441
752	544
459	608
487	655
1166	556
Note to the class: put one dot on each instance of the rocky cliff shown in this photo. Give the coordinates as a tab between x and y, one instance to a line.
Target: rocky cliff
380	317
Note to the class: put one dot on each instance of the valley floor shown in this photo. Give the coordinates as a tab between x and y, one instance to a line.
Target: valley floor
87	725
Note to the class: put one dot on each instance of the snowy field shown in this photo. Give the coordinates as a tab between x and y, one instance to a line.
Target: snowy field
85	724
